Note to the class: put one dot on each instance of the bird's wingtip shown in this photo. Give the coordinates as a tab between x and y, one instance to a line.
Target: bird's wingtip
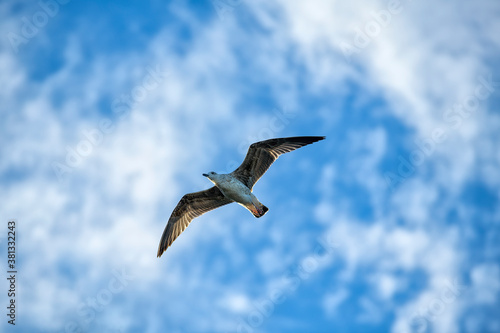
318	138
160	252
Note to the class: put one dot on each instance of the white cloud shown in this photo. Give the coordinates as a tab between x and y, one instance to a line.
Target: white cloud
386	285
485	283
237	303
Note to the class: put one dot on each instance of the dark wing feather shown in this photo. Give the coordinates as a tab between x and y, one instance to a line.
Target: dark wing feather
262	154
189	207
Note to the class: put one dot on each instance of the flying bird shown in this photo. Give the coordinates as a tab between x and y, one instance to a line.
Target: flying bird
236	186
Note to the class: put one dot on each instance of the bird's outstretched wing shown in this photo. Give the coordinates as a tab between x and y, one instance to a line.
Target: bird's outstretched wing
262	154
189	207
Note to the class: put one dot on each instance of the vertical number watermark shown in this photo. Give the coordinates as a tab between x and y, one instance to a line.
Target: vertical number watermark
11	271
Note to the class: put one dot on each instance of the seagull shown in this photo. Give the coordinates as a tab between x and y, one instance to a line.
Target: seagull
236	186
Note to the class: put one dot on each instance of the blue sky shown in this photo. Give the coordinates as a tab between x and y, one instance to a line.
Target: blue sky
111	112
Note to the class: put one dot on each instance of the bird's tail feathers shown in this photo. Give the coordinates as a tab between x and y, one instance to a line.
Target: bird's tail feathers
259	210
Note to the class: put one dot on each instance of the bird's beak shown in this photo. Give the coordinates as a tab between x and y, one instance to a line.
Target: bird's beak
204	174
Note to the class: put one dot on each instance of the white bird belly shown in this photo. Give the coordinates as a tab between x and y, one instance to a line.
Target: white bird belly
236	190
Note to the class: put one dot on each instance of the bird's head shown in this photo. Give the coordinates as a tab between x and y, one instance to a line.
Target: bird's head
211	175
